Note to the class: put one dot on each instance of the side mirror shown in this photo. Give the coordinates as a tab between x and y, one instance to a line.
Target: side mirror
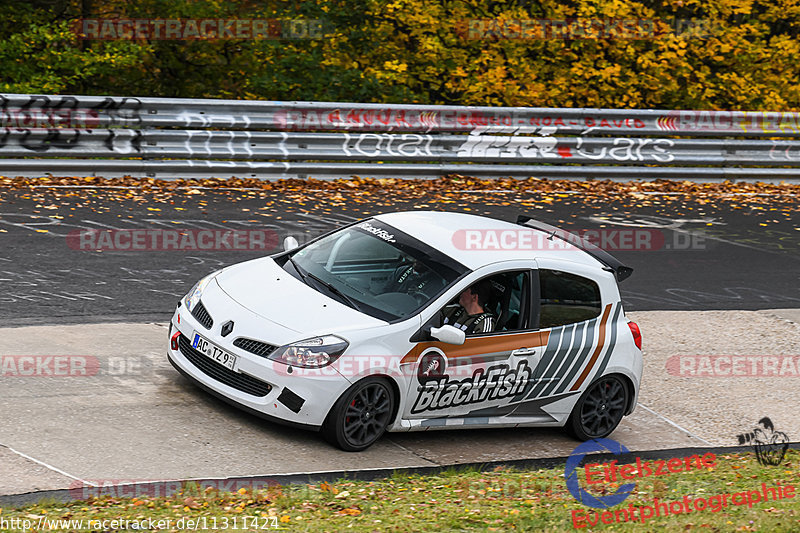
448	334
290	243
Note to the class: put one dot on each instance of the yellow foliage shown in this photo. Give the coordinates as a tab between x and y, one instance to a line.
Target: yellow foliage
702	54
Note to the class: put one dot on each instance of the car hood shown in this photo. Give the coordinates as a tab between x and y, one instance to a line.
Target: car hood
264	288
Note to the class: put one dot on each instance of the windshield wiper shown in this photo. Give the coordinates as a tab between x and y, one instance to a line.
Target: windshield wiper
336	291
303	273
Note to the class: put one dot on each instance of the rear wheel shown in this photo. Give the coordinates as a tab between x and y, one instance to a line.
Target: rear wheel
599	410
360	416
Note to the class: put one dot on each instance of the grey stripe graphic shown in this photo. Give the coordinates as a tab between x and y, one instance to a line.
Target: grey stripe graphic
567	359
611	343
534	407
569	340
579	361
476	420
434	422
524	408
557	336
552	346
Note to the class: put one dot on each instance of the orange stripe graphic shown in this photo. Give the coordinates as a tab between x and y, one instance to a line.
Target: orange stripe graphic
600	341
482	345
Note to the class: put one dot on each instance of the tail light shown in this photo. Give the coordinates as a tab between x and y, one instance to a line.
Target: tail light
173	341
637	335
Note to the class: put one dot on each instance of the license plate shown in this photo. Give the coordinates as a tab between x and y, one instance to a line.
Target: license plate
214	352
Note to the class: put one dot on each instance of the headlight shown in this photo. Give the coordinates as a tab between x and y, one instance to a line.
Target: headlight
311	353
194	295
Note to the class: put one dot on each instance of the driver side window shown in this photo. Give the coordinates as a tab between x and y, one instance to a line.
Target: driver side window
495	304
510	300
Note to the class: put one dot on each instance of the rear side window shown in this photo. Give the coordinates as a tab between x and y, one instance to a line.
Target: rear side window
566	299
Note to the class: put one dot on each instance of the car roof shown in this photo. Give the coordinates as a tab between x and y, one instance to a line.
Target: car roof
447	232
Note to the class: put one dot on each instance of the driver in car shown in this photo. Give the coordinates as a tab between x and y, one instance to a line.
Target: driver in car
469	314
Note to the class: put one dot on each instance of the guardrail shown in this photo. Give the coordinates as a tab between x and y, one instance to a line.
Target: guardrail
173	138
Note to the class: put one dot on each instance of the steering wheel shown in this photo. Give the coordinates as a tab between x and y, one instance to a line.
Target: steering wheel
420	297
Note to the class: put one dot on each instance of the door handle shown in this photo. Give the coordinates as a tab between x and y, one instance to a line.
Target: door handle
524	351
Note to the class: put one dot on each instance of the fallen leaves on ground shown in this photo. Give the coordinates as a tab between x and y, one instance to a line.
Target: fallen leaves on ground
366	196
437	187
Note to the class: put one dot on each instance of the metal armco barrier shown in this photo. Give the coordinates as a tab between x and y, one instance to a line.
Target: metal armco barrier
174	138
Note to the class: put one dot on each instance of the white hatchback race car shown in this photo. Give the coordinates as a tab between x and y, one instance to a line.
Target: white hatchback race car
414	321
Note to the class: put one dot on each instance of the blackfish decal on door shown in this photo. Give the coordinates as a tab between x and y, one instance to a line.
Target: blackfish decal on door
431	366
493	383
572	354
476	371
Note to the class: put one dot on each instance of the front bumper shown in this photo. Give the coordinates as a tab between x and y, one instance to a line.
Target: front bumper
235	403
257	384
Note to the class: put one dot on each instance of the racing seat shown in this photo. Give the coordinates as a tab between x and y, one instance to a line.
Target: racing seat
501	298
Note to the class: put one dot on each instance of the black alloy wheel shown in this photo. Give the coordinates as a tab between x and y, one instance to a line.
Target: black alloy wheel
599	410
360	416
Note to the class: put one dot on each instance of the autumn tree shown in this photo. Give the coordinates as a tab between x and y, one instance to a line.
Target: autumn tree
465	52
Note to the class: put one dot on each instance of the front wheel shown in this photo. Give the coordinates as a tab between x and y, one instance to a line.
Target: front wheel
599	410
360	416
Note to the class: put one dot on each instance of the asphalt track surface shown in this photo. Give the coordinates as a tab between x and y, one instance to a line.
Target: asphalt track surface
702	258
146	417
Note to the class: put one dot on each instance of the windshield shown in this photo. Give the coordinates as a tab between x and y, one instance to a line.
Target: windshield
376	269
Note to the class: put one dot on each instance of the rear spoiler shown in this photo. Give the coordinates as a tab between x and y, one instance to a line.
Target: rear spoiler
621	272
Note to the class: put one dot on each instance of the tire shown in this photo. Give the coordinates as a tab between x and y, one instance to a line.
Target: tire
360	416
599	409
